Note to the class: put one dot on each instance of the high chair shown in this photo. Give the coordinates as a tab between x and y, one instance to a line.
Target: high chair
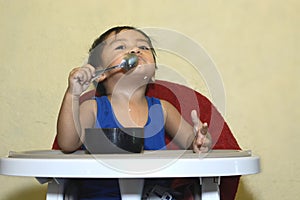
185	100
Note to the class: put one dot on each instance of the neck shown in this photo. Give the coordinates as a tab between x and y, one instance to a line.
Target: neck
125	89
128	95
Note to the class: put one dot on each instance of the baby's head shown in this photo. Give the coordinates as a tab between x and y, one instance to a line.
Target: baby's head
110	48
97	55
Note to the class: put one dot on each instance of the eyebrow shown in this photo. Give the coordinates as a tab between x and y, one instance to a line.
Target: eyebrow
123	40
117	40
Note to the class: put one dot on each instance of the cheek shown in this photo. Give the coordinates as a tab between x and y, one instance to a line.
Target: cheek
150	58
111	60
147	69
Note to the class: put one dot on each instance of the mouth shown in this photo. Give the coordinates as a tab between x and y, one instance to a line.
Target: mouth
141	60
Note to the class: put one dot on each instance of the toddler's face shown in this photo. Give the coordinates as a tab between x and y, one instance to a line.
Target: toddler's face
127	41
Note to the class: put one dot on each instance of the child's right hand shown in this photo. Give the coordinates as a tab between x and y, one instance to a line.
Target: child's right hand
80	78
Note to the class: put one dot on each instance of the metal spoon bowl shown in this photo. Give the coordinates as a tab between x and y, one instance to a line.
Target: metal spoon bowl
128	62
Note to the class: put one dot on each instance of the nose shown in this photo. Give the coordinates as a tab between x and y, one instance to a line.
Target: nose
135	51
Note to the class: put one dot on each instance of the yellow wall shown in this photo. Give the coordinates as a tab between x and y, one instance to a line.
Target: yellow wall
255	45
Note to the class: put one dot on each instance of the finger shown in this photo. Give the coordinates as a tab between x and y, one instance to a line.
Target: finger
79	76
203	140
196	146
206	142
204	129
199	140
88	74
196	121
196	149
202	143
91	69
195	118
76	75
201	148
204	149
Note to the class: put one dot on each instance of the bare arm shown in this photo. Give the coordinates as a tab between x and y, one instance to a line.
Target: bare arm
194	137
73	118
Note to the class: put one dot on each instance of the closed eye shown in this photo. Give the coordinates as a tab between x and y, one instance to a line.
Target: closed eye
144	47
120	47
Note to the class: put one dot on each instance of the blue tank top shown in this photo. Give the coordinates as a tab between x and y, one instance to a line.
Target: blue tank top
154	131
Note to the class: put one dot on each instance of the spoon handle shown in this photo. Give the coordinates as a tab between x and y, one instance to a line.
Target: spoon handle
101	71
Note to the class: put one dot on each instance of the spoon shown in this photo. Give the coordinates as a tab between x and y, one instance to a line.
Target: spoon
128	62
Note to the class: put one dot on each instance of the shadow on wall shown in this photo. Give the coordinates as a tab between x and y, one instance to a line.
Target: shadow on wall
28	193
243	192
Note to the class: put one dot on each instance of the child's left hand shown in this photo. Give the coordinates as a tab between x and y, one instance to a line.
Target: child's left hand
202	142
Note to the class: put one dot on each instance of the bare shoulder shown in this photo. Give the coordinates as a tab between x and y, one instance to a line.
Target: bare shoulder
166	105
89	105
168	108
88	102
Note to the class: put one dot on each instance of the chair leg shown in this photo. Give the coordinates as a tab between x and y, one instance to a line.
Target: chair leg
131	188
55	190
210	188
